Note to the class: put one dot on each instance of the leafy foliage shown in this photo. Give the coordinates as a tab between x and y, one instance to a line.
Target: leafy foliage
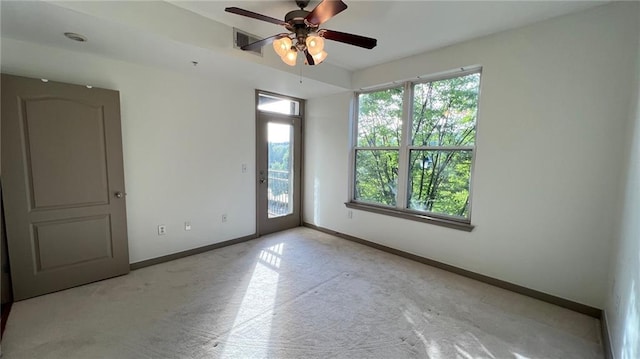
377	176
379	125
443	127
439	181
380	118
279	155
279	167
444	112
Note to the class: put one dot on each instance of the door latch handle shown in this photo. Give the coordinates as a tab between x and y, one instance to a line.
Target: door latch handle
262	180
119	194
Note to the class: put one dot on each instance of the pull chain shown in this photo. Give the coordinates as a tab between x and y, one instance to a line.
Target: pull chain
301	66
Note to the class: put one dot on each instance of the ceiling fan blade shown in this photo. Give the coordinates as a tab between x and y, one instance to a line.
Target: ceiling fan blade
351	39
254	15
325	11
310	60
260	43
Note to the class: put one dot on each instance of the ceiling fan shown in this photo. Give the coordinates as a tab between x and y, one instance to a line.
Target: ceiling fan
304	33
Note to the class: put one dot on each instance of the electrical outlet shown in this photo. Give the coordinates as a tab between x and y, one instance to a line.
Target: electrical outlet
162	230
224	217
350	214
187	226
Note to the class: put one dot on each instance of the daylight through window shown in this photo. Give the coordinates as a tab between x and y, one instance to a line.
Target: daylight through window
414	146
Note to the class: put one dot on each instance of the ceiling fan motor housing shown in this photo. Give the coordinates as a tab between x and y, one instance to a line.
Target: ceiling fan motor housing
302	3
296	24
296	17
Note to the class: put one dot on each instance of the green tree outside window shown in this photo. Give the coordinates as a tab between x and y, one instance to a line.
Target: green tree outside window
439	148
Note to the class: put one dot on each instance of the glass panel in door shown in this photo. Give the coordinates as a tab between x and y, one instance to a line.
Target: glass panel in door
280	174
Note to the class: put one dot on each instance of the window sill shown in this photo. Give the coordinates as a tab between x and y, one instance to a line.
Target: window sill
467	227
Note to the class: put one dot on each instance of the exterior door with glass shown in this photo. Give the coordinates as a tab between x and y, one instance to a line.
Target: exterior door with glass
279	163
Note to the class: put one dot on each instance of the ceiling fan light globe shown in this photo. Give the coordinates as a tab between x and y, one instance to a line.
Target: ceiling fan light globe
315	44
319	57
281	46
290	57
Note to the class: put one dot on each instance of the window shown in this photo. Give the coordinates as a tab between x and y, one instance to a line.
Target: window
378	144
414	148
275	104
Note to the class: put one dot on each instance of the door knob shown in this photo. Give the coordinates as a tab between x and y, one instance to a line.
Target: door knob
262	180
120	194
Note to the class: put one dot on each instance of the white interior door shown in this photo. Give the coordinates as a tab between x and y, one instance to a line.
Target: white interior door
63	182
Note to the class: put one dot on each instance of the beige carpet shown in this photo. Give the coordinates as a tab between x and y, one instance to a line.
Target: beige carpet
295	294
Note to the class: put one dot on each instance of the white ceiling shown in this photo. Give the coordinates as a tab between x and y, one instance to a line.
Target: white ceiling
403	28
167	35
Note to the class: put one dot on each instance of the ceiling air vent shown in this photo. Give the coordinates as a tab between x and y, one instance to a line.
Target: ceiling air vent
242	38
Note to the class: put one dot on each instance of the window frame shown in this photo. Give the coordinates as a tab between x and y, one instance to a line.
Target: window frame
401	209
355	146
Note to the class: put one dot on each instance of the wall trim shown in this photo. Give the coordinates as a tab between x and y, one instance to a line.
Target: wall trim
190	252
606	337
565	303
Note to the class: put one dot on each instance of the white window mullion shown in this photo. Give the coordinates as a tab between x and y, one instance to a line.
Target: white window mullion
442	148
405	141
352	145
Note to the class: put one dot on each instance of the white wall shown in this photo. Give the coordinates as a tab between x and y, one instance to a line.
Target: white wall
553	110
554	106
623	302
184	141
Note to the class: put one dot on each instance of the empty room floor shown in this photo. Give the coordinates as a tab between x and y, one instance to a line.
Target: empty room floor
295	294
